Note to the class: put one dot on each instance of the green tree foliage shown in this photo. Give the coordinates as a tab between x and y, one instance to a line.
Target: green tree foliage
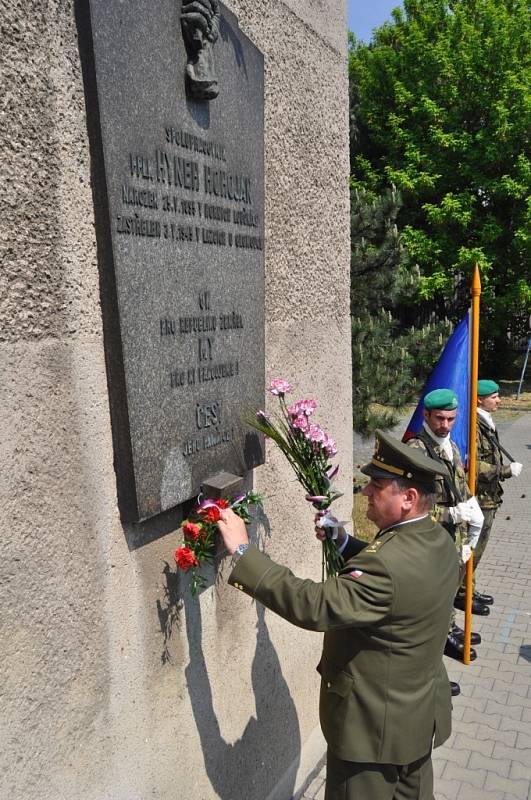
389	360
377	261
440	106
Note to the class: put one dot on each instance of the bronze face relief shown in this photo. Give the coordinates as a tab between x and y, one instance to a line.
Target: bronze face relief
200	25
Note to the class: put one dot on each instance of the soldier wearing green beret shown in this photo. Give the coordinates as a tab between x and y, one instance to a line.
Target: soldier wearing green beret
491	471
455	509
385	696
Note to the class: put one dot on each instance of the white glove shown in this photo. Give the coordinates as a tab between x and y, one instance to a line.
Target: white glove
466	552
476	522
516	469
460	513
327	520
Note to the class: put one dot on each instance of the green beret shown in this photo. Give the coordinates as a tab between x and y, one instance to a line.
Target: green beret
443	399
486	387
393	459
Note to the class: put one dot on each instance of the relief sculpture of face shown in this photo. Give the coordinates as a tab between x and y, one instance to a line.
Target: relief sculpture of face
200	25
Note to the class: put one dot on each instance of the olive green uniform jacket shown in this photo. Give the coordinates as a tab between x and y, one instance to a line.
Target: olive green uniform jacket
490	467
446	495
384	688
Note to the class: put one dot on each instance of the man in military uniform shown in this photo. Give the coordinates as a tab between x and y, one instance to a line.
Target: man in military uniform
491	471
385	695
454	508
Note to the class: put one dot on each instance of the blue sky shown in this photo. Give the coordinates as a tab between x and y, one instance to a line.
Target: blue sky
364	15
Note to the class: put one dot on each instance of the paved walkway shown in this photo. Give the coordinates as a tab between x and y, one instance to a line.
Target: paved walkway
488	756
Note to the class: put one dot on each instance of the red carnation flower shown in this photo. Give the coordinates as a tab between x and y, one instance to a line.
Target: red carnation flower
222	503
211	514
191	531
185	558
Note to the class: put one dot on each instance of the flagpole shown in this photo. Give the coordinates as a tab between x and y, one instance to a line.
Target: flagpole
472	448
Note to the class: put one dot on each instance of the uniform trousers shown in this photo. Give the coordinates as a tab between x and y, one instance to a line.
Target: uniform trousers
350	780
488	514
488	519
462	585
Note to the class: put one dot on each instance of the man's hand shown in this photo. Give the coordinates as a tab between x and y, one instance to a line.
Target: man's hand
460	513
476	521
232	529
320	529
466	552
516	469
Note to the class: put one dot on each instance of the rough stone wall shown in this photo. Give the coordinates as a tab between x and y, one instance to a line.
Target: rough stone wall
110	687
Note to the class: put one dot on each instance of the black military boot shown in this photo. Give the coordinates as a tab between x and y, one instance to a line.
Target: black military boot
455	647
475	638
477	608
455	688
484	599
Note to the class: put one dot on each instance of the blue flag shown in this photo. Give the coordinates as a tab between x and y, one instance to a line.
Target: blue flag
452	371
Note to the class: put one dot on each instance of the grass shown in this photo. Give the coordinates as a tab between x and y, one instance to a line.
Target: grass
508	392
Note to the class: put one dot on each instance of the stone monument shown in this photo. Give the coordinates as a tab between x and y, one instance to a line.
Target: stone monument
110	688
181	105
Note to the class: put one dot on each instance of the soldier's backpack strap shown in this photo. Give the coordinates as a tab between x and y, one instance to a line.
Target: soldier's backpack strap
493	439
451	488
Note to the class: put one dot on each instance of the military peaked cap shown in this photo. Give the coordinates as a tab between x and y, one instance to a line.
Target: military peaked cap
486	387
393	459
443	399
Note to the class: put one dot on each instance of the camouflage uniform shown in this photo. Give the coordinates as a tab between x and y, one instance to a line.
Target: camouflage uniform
489	473
448	494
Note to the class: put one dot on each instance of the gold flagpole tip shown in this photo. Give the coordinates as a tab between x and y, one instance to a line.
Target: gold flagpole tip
476	281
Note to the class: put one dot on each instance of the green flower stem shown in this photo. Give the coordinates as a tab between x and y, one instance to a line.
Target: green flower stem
310	469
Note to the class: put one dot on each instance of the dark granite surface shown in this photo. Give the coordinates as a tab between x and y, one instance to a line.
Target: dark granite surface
185	189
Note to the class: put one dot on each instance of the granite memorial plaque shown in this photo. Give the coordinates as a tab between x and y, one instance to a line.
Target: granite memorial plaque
181	104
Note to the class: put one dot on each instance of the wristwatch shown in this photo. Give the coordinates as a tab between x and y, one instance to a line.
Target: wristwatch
240	550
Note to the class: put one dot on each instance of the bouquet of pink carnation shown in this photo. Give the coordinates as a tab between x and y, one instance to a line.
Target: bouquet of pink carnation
309	450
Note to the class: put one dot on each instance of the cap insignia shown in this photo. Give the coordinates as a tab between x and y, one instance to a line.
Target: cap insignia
387	467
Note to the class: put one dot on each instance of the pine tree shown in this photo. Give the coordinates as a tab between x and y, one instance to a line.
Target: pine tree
389	358
377	251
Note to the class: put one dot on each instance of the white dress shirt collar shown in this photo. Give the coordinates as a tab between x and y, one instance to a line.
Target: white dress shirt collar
487	417
443	442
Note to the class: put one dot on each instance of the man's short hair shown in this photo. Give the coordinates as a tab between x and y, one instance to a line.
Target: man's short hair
427	491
